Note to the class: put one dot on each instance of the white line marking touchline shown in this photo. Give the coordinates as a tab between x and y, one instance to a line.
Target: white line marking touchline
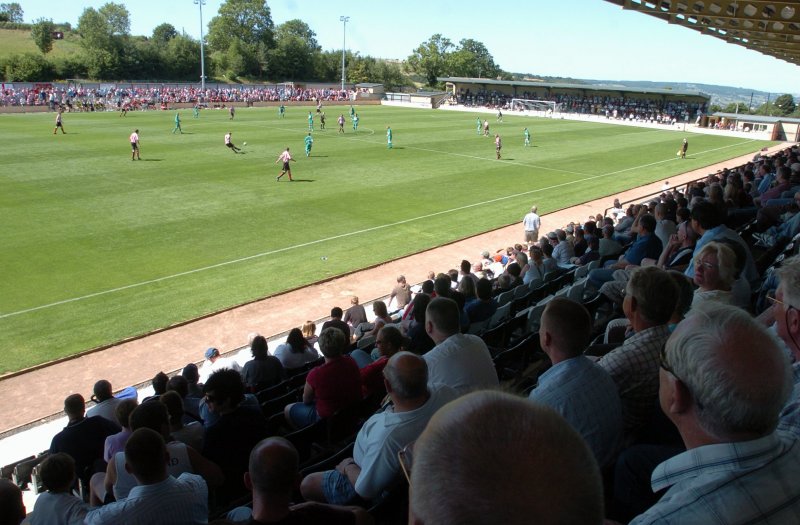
340	236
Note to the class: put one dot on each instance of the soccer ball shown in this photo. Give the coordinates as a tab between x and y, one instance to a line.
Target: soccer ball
244	143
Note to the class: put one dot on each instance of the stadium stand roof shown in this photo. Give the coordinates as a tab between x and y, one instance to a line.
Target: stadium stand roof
757	118
558	85
766	26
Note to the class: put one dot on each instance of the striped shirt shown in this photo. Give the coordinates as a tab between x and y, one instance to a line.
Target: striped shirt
182	501
634	368
729	483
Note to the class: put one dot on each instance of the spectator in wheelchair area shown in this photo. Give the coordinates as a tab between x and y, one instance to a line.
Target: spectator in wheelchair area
490	457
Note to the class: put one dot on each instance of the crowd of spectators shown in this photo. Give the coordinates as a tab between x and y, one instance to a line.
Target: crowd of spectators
689	408
637	108
142	97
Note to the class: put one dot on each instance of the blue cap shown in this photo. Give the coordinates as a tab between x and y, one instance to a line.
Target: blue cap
211	352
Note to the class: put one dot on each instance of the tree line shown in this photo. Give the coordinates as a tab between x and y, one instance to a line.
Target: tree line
242	44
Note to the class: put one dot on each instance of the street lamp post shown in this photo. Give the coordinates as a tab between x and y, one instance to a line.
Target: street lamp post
200	3
344	20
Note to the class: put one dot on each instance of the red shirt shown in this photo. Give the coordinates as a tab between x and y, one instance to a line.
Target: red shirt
336	384
372	377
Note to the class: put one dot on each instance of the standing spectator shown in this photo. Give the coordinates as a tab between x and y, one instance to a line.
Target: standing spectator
401	293
355	315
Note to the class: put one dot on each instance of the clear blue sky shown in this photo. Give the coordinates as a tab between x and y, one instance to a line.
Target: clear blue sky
571	38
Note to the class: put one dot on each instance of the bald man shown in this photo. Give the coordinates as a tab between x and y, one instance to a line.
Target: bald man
374	465
491	457
723	382
271	477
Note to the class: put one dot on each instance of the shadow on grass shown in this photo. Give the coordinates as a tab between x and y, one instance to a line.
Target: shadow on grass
298	180
151	160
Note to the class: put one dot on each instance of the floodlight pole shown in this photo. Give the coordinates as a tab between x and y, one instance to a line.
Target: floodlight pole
344	20
200	3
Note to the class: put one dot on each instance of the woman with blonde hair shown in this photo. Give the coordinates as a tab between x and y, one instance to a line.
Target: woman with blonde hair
714	274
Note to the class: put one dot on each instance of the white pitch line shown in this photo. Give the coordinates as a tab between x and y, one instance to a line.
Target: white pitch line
340	236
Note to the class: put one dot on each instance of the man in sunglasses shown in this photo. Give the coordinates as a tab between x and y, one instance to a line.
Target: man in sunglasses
787	323
723	382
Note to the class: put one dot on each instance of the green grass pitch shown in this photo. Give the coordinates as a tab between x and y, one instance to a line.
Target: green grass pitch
97	248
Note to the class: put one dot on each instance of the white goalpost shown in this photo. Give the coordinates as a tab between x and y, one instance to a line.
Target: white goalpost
542	108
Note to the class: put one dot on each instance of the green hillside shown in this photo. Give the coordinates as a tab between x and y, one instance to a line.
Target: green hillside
15	41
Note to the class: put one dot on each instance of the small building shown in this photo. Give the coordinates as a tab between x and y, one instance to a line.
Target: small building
777	128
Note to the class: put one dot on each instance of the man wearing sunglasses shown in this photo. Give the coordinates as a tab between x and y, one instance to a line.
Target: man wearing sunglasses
787	323
723	382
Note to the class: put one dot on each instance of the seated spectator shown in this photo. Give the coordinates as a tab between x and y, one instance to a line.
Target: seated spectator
592	253
192	376
355	315
401	293
467	288
228	441
272	477
264	370
336	322
608	246
502	284
580	244
309	330
508	435
460	361
12	509
119	481
647	245
650	299
714	273
295	352
159	383
191	433
214	361
723	382
389	342
677	253
575	387
158	497
371	329
106	402
375	465
419	340
58	505
83	438
708	225
536	267
484	307
191	405
665	227
562	249
782	184
515	271
330	386
116	442
550	263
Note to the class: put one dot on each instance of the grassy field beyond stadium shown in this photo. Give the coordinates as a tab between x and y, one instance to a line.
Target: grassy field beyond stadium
97	248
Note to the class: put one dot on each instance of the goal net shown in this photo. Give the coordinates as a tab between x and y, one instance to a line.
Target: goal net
535	106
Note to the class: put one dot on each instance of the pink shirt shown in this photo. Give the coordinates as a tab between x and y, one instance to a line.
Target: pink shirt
497	142
285	157
228	138
134	138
